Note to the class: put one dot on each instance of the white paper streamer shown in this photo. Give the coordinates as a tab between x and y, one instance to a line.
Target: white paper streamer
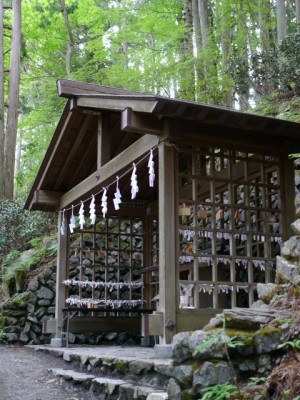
259	264
104	202
72	221
117	200
81	216
110	285
222	288
205	260
134	184
151	169
185	259
93	210
73	300
62	227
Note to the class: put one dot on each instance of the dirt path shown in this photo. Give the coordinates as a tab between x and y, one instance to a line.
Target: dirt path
24	376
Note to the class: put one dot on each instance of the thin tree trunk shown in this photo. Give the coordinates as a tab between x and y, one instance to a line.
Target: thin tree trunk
204	23
187	82
2	114
70	41
13	99
264	24
197	28
281	20
266	39
225	49
297	3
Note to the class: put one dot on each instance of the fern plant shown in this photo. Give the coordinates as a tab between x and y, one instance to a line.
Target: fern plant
219	392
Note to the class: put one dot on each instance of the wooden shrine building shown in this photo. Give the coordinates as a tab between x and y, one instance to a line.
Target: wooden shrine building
163	204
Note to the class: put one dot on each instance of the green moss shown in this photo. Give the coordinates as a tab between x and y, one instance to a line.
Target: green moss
186	395
266	299
268	331
121	366
19	299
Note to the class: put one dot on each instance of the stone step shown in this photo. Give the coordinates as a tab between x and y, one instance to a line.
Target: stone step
109	386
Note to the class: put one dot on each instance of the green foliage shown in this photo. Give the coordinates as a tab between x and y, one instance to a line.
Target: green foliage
218	337
15	261
219	392
256	380
293	344
139	45
19	226
18	299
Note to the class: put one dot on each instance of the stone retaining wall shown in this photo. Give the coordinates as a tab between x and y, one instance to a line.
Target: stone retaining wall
23	313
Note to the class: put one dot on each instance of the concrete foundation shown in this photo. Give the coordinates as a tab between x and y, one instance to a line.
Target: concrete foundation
163	351
58	342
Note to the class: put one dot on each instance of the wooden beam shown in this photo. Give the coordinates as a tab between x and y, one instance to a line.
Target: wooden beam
132	121
47	197
118	104
105	324
110	169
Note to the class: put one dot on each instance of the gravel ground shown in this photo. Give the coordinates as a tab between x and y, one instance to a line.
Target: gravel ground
24	376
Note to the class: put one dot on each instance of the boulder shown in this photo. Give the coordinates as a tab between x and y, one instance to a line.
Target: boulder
212	373
286	272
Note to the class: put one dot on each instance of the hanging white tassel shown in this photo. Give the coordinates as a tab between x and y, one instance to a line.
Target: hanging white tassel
93	210
81	216
117	199
151	169
62	227
104	203
72	223
134	185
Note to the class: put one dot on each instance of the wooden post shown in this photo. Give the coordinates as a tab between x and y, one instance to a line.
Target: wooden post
168	238
287	194
61	273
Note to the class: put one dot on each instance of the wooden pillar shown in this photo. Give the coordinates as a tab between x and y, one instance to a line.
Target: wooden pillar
61	273
168	238
287	194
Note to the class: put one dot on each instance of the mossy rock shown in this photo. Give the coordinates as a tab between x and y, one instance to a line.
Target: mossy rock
19	300
20	278
9	285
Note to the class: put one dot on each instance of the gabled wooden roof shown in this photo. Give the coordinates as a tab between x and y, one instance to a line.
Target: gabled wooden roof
127	115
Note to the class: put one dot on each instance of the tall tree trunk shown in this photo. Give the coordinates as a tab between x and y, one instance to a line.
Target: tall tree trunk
196	23
13	100
204	23
297	3
70	41
244	88
225	49
2	114
187	81
266	39
264	24
281	20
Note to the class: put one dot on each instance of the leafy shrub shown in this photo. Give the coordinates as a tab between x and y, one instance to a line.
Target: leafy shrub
19	226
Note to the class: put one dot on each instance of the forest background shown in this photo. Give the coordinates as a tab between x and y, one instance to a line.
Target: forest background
242	54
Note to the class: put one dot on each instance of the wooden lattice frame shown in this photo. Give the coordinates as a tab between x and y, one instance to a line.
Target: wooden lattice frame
112	251
229	224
